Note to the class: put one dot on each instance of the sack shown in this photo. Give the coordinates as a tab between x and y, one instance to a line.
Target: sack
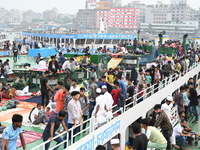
29	116
121	98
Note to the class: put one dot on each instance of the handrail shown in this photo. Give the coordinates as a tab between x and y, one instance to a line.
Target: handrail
165	82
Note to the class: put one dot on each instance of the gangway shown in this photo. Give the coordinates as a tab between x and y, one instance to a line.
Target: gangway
119	125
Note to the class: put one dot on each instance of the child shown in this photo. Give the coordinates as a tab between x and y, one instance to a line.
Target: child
148	78
49	113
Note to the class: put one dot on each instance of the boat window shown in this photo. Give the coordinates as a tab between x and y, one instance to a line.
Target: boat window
107	42
99	41
115	41
80	41
89	41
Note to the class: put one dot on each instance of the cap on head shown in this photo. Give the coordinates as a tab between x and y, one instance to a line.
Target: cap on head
104	87
169	98
114	141
98	90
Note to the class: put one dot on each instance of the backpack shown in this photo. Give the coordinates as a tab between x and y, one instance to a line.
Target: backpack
29	116
121	98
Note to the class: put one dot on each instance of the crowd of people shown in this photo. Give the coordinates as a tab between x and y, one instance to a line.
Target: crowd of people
107	94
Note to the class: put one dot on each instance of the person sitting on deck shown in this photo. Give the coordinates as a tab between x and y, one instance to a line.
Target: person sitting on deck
42	64
35	118
8	93
53	65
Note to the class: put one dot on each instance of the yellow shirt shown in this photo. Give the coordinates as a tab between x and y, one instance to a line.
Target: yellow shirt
110	78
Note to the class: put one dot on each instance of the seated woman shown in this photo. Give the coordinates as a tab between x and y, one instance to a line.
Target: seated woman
8	93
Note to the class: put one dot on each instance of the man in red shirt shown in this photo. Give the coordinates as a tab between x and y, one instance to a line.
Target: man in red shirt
115	92
59	97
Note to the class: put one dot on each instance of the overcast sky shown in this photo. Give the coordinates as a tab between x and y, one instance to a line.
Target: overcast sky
67	6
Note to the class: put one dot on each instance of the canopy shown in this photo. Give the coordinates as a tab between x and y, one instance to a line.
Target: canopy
114	62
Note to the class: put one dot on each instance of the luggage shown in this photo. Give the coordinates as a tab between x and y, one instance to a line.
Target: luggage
13	101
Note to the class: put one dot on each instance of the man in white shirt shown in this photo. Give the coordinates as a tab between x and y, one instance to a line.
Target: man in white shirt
67	66
40	45
109	101
74	64
167	107
180	134
35	118
42	64
99	109
74	113
74	86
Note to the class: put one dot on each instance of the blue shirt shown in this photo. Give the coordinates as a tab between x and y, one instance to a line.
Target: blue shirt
148	79
11	135
123	87
62	60
185	98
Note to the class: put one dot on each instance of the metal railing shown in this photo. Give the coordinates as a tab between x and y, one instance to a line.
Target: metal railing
146	93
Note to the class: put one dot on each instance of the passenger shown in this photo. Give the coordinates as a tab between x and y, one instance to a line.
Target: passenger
42	64
179	99
109	101
49	113
115	144
193	101
85	104
12	132
53	65
155	137
164	123
99	109
74	113
167	107
100	147
180	134
121	84
140	140
74	86
92	94
35	118
59	96
51	128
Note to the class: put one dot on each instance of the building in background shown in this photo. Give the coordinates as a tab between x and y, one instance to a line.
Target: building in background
28	16
16	14
181	12
178	2
86	18
159	13
124	18
49	15
141	9
173	28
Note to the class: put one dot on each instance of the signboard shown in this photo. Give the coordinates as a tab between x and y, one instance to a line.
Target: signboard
101	138
103	5
84	36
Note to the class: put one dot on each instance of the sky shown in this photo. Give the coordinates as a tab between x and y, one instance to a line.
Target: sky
67	6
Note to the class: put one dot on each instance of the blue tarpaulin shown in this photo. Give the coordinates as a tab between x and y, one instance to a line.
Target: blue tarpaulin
45	52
